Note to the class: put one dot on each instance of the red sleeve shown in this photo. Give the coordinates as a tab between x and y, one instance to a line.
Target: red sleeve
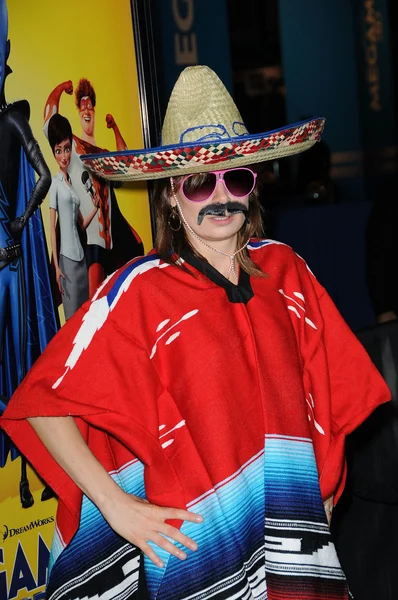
344	384
107	382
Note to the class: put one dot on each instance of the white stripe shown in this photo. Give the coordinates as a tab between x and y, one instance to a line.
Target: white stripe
238	578
97	315
131	567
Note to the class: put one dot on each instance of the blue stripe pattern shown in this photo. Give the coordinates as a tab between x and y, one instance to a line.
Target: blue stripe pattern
125	273
259	244
292	483
94	540
278	486
232	531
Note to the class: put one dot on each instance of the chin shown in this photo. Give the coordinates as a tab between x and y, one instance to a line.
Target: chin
221	234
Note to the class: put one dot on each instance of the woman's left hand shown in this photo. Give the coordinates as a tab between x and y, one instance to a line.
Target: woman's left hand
328	505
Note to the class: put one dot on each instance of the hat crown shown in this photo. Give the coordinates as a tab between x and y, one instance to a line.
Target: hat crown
200	109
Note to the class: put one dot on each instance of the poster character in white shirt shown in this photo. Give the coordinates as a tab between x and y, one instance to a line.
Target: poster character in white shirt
67	250
111	240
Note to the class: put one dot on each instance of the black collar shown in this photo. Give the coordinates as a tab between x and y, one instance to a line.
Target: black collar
240	293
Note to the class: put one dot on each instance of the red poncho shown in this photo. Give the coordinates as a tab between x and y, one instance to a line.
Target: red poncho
231	400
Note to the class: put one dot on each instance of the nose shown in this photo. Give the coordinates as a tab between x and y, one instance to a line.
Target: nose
221	192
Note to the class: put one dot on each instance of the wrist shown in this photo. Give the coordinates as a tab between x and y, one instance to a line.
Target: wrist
106	496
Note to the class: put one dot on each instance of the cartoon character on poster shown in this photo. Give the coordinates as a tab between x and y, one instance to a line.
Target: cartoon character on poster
111	241
27	314
66	221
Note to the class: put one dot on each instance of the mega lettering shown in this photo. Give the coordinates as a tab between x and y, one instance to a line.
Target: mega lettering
22	576
373	37
185	42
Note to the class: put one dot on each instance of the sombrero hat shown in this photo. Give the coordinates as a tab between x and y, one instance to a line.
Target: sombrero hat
203	131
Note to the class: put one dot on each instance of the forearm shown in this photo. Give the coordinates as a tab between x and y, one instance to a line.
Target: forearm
120	143
86	222
43	183
134	519
54	249
52	104
33	153
62	438
23	132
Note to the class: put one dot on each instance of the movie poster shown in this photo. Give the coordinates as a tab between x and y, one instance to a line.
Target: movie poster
78	60
25	536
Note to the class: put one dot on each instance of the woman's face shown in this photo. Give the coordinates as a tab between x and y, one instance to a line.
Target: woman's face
62	154
213	227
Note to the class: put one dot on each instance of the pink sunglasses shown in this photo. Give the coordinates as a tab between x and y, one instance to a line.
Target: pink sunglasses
239	182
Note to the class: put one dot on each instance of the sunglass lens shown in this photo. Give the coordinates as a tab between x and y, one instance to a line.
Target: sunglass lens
198	188
239	182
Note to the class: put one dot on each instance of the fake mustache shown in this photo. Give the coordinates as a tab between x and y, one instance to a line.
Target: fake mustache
219	209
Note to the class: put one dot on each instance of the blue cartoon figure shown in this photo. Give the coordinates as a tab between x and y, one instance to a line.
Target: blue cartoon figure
27	316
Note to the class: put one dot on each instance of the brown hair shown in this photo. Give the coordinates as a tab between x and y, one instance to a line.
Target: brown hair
84	88
59	129
169	243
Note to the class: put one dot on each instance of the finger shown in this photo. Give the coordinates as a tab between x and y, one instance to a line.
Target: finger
328	512
151	554
168	546
176	535
180	515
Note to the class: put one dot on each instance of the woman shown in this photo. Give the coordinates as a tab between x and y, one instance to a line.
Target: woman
69	261
219	385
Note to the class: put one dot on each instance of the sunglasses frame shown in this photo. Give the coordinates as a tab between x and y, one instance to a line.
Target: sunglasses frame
219	178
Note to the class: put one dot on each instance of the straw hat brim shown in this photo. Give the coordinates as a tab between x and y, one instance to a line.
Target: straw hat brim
203	156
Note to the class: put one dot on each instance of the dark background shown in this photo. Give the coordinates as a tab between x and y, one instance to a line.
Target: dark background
283	62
